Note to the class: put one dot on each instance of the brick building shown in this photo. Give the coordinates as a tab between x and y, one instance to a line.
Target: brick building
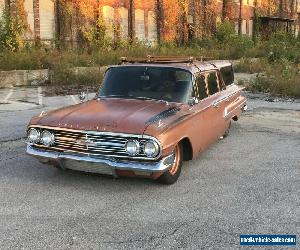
40	17
139	18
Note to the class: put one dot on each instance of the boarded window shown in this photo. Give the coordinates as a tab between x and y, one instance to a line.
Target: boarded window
213	83
2	5
47	19
236	27
202	88
244	27
139	24
152	33
250	28
123	15
28	6
108	16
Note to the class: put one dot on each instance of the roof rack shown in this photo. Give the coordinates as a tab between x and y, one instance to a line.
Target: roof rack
163	59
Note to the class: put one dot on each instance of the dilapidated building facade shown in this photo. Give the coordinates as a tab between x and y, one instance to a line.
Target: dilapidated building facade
148	20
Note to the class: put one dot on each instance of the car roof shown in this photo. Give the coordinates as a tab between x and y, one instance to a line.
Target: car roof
189	64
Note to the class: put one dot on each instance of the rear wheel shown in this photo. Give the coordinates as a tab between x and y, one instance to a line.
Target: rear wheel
172	175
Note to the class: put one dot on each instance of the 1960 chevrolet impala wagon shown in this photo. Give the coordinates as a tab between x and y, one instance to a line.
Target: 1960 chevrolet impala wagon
148	117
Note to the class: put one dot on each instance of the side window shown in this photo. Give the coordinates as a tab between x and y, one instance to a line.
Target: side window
213	83
228	75
202	89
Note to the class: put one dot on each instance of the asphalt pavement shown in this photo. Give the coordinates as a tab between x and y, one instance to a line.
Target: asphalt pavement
248	183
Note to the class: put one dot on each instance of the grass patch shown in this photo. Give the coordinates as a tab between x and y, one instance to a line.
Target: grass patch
281	78
277	59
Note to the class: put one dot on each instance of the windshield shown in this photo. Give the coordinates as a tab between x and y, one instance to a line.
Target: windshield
142	82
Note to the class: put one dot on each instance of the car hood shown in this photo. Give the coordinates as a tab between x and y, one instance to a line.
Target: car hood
111	115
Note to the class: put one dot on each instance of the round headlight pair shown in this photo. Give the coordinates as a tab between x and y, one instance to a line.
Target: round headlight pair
151	148
46	138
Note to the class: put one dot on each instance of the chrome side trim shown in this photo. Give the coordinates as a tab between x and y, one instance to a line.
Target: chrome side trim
226	98
161	166
227	114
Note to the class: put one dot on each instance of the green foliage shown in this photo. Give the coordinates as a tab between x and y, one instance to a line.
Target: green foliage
96	35
277	78
240	46
225	32
64	74
276	60
283	46
11	30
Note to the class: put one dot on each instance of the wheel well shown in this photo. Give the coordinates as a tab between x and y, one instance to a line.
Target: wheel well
187	149
235	118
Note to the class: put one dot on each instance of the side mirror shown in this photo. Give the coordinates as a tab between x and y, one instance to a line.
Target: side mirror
193	101
82	96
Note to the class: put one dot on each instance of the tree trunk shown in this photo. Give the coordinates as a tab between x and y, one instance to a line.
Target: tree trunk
131	22
292	7
254	21
240	17
58	24
204	6
159	20
281	8
224	10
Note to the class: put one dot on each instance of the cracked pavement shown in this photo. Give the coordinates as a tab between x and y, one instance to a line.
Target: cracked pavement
248	183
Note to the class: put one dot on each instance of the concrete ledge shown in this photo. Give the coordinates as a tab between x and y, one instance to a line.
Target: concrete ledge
23	77
15	78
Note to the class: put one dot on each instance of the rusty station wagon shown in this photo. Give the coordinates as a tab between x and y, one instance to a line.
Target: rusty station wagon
148	117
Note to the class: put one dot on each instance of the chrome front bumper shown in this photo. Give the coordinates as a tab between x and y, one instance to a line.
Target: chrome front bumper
101	166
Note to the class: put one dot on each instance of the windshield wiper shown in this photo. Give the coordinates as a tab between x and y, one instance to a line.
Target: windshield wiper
113	96
144	98
132	97
148	99
128	96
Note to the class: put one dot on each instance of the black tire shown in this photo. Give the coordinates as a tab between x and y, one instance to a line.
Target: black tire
172	175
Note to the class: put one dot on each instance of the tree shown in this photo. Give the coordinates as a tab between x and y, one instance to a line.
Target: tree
292	8
131	23
224	9
11	31
240	17
159	20
281	8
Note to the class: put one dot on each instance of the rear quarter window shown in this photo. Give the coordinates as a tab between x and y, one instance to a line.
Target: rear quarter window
213	83
227	75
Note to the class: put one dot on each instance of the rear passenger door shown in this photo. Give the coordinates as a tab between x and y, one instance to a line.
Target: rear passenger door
218	103
206	116
214	88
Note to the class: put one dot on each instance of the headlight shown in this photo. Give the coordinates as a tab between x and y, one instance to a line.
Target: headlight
34	135
132	147
47	138
151	148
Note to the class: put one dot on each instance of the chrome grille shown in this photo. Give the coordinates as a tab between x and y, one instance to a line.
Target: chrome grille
95	144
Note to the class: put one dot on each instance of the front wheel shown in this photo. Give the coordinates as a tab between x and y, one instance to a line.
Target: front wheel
172	175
